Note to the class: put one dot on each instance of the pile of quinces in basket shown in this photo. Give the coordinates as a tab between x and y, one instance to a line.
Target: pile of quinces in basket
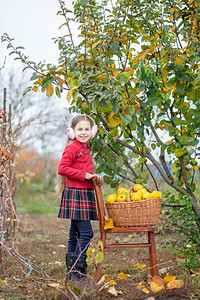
137	193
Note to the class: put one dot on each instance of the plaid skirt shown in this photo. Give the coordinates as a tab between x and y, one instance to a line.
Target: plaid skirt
78	204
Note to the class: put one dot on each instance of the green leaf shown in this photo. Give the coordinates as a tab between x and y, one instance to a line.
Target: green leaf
99	257
153	146
47	80
144	175
35	76
84	2
124	78
106	179
178	152
183	202
101	245
126	119
154	99
58	92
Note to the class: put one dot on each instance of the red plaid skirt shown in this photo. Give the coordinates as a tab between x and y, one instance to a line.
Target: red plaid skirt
78	204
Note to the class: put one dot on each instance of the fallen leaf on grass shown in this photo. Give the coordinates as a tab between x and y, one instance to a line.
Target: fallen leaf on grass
158	280
54	285
77	290
17	279
122	276
175	284
163	271
156	288
112	290
57	263
194	272
145	291
139	266
141	285
169	278
68	282
101	280
112	282
61	246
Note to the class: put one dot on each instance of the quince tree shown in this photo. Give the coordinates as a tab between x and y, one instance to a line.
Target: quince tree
135	70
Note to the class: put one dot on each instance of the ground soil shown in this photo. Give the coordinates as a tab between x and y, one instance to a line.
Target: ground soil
41	244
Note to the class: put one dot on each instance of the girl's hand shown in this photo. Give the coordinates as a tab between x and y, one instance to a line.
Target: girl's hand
90	176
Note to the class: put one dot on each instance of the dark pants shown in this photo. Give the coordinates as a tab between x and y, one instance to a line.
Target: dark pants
80	234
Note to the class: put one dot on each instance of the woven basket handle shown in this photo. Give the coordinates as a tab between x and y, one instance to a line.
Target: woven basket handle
129	194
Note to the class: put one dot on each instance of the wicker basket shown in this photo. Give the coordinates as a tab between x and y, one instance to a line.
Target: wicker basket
134	213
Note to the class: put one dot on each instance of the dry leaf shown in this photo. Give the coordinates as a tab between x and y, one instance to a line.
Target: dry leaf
55	285
169	277
141	285
139	266
145	291
108	223
163	271
112	291
158	280
61	246
101	280
195	272
122	276
175	284
156	288
17	279
112	282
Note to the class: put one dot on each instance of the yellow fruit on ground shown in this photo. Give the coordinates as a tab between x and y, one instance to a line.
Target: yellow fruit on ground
156	194
137	187
111	198
122	190
136	197
121	198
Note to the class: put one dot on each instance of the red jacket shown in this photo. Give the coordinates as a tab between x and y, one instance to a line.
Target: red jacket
75	162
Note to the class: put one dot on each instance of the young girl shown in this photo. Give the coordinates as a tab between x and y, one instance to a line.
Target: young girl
78	201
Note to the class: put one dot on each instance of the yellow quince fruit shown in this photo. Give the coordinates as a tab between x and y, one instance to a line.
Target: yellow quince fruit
156	194
122	190
121	198
142	191
137	187
136	197
111	198
147	195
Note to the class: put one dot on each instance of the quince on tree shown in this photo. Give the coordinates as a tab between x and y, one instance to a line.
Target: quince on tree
111	198
121	198
122	190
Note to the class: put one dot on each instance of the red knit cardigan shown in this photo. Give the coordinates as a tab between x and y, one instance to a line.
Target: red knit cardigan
75	162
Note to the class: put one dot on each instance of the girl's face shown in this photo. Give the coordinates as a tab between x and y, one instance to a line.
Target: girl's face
83	131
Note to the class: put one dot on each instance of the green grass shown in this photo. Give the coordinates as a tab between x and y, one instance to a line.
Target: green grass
39	203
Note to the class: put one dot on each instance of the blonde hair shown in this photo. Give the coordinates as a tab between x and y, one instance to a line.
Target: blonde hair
74	121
